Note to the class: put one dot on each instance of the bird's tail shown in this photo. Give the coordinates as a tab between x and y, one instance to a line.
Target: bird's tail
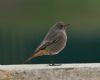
37	54
27	59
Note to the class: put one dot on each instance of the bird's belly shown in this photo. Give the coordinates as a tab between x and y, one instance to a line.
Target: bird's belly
55	48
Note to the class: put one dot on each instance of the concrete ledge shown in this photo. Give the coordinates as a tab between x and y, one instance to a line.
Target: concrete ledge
45	72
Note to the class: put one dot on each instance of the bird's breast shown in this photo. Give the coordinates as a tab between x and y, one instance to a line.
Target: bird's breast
59	45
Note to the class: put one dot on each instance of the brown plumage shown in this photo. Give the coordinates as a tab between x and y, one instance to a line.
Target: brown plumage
34	55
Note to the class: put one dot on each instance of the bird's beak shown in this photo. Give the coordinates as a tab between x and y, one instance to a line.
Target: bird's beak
67	25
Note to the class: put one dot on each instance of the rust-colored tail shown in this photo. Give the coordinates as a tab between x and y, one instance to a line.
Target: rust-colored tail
34	55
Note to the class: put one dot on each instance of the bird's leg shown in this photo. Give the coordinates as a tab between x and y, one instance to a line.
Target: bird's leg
52	62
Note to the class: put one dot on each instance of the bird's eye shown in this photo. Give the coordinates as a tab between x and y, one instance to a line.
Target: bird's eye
60	26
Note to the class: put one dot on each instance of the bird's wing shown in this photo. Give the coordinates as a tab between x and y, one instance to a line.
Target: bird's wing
47	43
40	50
43	45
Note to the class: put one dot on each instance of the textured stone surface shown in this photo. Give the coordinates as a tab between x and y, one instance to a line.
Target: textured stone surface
45	72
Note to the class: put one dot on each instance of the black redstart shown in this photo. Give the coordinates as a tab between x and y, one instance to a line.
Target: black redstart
54	41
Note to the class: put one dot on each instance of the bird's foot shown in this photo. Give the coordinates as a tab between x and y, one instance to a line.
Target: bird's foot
55	64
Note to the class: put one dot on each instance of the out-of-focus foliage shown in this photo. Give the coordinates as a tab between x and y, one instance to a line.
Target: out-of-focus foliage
24	23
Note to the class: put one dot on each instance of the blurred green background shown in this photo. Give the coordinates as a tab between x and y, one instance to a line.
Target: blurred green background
24	23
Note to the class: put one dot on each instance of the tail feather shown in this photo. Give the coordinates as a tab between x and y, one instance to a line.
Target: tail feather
39	53
27	59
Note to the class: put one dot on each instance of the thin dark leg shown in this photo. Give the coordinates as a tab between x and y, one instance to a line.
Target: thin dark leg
52	61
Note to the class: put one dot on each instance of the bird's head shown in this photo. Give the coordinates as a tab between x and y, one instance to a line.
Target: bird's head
61	25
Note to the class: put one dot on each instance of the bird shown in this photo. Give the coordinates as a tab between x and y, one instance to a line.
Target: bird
53	43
